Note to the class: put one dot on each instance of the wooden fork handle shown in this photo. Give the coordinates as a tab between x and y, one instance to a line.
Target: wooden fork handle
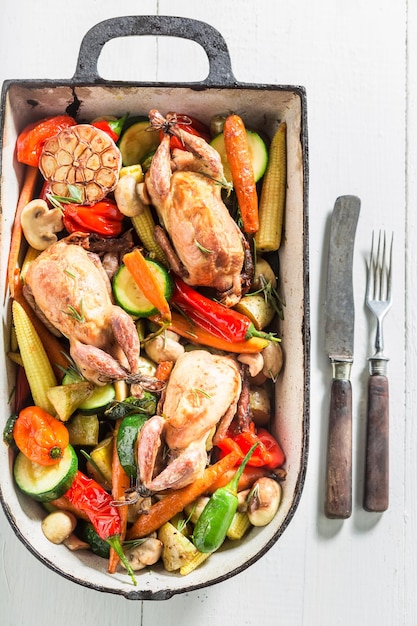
376	494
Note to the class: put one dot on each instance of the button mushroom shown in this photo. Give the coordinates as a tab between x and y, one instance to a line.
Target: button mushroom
146	553
58	526
126	196
164	347
263	501
273	360
40	223
255	362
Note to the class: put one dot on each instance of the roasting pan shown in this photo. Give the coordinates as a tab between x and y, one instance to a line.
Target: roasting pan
86	96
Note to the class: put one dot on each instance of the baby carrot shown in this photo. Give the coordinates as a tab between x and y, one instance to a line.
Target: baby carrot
26	195
163	370
238	156
120	483
173	503
147	281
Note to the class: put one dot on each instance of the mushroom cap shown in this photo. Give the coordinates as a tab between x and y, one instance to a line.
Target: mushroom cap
40	223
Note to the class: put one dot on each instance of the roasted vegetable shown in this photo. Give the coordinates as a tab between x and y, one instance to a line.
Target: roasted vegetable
273	194
214	522
67	398
35	361
39	436
241	168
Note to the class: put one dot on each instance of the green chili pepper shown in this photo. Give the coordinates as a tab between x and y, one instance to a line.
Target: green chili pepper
213	523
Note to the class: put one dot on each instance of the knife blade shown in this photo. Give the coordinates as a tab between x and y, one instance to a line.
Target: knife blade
339	344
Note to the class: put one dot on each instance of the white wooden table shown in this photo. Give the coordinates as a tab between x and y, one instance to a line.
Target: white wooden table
358	62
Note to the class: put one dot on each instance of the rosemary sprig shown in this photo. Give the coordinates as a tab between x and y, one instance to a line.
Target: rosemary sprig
69	273
198	393
271	296
75	197
77	315
202	248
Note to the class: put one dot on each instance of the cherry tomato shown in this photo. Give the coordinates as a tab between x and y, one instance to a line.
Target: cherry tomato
273	447
30	142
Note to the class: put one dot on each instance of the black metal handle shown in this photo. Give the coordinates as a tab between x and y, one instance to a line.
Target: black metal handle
214	45
339	452
376	494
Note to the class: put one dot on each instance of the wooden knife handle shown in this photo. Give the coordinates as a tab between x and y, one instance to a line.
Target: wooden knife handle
377	445
338	503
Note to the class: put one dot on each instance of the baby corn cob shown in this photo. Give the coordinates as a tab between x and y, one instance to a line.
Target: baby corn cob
144	225
38	369
272	201
194	562
15	357
240	524
30	256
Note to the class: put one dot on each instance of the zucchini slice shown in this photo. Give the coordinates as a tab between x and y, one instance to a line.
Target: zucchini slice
126	441
98	545
137	142
257	149
128	295
46	482
98	401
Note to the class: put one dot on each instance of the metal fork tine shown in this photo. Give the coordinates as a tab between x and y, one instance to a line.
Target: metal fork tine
389	294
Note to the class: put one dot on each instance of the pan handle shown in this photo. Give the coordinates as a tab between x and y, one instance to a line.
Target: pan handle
214	45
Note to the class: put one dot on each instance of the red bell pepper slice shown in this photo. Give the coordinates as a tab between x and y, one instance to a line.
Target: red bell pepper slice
103	218
31	140
267	454
213	316
112	127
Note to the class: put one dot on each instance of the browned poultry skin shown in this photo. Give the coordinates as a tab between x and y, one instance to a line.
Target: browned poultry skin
203	387
189	204
203	391
71	289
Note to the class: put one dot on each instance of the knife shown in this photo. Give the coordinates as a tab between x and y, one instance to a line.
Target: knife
339	339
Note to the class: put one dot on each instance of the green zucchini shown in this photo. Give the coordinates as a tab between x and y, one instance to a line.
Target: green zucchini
83	430
133	119
8	437
126	441
137	141
46	482
257	149
118	409
98	401
128	295
98	545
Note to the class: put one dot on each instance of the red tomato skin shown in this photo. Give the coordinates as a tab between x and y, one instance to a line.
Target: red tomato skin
273	447
31	140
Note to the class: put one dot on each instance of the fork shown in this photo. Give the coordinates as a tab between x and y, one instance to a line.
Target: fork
379	301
